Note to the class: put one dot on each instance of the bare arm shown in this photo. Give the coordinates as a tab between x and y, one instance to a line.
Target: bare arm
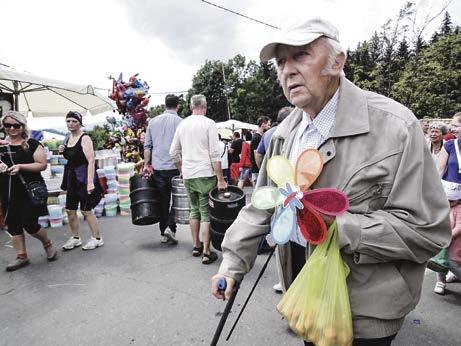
259	159
218	170
442	161
38	165
87	145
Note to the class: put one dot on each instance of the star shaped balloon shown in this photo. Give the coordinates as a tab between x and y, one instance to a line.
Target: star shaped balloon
295	204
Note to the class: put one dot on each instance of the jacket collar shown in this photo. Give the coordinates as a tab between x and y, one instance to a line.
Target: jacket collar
351	114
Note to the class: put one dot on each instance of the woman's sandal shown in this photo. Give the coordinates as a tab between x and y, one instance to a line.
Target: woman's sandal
209	258
197	251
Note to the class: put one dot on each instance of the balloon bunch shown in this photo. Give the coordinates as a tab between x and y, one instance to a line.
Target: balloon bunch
131	99
130	142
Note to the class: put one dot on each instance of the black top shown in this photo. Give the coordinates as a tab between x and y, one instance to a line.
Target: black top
75	155
237	146
20	156
254	145
17	202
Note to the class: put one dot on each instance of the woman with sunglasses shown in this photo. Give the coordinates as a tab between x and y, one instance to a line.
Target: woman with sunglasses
81	183
21	155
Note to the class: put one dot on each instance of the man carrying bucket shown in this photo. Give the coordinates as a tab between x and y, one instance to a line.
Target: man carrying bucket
158	163
197	154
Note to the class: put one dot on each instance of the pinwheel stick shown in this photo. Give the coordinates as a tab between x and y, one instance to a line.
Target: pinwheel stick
263	269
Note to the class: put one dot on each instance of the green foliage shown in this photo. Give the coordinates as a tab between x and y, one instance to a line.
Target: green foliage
246	90
426	77
431	83
157	110
99	135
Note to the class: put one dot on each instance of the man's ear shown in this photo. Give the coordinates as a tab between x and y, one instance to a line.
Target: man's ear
338	65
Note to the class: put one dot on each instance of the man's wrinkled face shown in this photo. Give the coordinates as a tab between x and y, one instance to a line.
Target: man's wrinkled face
300	72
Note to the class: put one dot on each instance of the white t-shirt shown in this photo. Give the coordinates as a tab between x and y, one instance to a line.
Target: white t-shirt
196	144
223	148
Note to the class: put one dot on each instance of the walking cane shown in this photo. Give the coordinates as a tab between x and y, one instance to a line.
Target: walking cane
263	269
222	284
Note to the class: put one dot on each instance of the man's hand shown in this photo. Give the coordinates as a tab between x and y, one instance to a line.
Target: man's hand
147	170
214	287
222	185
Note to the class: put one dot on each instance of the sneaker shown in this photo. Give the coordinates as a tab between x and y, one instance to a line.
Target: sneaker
170	236
163	239
72	243
51	253
17	264
278	288
451	277
439	288
93	243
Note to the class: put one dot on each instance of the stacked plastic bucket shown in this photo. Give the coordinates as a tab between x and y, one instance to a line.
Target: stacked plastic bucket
57	163
124	172
99	209
55	215
110	199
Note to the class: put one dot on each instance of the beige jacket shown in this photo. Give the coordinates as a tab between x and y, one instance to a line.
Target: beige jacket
398	216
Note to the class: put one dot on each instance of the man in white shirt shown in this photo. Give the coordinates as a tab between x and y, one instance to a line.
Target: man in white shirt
196	152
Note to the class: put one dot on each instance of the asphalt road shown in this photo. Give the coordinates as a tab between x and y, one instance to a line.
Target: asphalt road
136	291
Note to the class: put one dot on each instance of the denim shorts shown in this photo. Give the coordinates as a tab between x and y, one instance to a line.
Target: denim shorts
245	174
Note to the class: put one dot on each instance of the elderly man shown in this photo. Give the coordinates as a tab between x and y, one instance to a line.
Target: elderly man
373	150
196	152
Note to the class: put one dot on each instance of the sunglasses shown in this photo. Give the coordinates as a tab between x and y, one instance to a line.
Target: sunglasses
15	126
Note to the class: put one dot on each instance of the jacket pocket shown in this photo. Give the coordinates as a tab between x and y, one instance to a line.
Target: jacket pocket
372	197
378	291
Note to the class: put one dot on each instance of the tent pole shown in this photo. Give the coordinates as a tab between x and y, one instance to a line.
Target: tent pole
16	96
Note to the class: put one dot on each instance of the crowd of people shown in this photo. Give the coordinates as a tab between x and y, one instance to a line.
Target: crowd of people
403	184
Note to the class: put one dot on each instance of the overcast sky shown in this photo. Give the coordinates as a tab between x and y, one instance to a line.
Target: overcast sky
85	41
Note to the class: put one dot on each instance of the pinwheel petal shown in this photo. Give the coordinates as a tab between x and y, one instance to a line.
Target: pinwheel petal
280	170
266	197
308	168
283	225
311	225
327	201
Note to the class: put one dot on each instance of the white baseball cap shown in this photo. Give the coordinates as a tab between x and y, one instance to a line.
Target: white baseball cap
300	34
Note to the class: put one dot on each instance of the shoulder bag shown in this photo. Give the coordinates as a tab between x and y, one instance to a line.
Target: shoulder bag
36	190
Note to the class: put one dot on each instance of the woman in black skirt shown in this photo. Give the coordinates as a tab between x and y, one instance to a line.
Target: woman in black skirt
81	183
21	155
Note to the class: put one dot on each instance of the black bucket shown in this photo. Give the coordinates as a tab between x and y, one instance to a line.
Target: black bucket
224	208
145	206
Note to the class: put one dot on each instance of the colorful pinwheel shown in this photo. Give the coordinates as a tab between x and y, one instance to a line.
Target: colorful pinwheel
295	205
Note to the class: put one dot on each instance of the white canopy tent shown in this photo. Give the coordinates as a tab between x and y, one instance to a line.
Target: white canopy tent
46	97
59	123
233	125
